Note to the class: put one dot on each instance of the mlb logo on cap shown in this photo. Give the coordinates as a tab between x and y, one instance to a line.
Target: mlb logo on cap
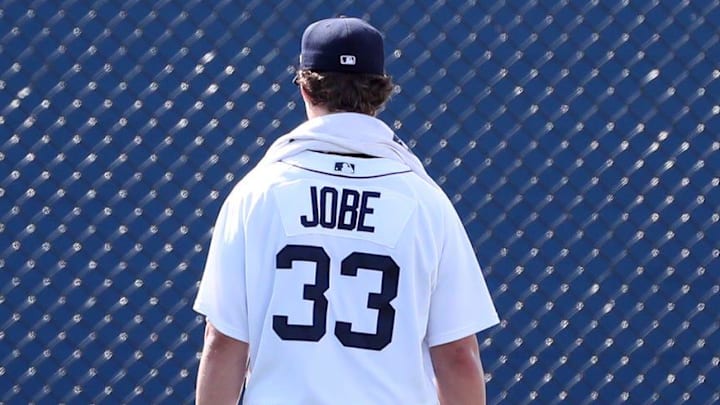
347	59
343	45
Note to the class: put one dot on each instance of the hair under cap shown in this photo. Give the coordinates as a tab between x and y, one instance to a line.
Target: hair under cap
343	45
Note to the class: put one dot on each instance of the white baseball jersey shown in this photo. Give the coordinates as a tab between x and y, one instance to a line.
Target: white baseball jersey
341	272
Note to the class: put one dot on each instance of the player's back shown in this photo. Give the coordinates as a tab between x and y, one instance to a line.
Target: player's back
342	254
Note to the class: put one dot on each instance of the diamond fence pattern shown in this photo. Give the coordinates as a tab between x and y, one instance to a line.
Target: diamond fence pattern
578	140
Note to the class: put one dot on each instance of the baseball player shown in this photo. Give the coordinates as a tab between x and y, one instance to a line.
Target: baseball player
339	272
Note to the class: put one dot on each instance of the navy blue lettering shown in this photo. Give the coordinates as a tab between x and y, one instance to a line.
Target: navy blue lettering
347	209
348	206
309	223
328	209
365	210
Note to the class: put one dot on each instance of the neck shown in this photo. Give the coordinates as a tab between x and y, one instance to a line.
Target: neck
314	111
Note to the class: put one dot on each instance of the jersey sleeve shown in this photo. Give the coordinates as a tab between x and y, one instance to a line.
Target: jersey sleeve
222	295
460	304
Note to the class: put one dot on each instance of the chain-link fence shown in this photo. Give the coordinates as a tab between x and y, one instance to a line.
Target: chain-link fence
578	140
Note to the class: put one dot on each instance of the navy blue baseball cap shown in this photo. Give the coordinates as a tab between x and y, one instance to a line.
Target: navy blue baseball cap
343	45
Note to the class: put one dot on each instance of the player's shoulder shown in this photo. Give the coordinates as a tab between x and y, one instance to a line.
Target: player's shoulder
257	181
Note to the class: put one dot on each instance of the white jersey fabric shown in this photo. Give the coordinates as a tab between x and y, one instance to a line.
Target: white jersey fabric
341	272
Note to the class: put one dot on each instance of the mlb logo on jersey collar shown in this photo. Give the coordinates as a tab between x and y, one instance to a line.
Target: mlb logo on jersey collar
345	167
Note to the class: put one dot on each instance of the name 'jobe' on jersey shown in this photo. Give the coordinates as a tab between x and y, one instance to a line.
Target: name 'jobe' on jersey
323	204
345	209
